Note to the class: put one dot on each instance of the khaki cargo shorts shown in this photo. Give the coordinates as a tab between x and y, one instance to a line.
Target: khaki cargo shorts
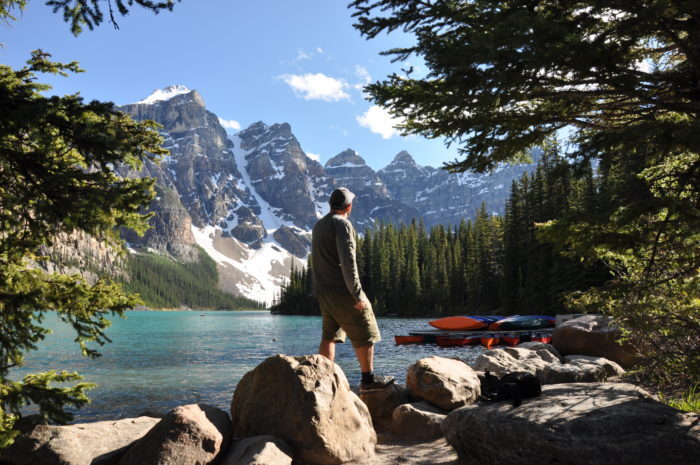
340	318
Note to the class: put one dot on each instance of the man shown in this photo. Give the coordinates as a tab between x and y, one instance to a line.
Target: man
344	306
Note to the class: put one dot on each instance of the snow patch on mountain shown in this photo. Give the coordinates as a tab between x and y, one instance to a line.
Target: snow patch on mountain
257	264
167	93
269	215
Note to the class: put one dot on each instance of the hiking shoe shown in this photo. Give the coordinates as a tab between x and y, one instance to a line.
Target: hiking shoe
378	382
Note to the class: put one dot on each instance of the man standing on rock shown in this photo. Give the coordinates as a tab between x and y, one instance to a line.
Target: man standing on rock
344	306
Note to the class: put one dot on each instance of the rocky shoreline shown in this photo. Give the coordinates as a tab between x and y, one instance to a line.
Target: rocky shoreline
302	410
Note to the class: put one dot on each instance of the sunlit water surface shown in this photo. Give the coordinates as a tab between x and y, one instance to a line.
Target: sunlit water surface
158	360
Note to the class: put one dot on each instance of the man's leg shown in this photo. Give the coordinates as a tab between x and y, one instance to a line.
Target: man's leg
365	355
370	380
327	349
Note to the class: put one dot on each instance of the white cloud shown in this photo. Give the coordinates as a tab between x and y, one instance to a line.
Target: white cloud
319	50
363	74
302	55
230	124
343	131
317	86
314	156
379	121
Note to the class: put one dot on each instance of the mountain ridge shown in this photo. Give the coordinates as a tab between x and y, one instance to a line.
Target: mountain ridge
253	197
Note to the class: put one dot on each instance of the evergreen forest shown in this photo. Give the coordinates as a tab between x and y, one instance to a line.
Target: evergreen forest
165	283
489	265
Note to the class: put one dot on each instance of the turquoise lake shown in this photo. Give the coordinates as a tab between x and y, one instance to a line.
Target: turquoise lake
158	360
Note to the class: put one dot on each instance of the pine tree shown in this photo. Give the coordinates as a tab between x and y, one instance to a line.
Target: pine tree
504	76
57	159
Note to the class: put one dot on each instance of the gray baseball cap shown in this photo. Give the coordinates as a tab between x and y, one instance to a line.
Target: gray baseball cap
341	198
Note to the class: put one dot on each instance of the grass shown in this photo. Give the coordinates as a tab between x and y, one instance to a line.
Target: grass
688	402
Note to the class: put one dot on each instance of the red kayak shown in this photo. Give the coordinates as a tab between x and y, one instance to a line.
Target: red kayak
458	323
510	340
546	338
489	340
452	341
409	339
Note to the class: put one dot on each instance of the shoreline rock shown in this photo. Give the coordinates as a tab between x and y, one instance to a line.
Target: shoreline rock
576	424
100	442
194	434
307	402
445	383
593	335
302	410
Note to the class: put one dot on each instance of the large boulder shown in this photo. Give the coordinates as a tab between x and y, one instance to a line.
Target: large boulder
611	368
522	353
420	420
382	402
502	361
258	450
100	442
576	424
307	402
192	434
536	346
577	372
593	335
444	382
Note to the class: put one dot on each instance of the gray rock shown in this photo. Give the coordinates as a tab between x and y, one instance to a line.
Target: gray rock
258	450
501	361
249	231
171	227
192	434
576	424
444	382
101	442
532	345
593	335
307	402
382	402
611	368
580	372
521	353
420	420
294	240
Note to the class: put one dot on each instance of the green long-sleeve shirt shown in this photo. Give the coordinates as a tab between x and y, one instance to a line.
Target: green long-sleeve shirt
334	265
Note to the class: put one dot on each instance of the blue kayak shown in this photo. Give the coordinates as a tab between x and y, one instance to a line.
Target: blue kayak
522	322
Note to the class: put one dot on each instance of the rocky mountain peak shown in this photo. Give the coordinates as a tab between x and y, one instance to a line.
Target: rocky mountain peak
403	158
347	158
171	92
256	128
281	130
254	135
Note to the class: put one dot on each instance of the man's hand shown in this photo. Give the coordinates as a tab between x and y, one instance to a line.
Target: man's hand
360	305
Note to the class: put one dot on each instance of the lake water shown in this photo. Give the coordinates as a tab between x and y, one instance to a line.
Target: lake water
158	360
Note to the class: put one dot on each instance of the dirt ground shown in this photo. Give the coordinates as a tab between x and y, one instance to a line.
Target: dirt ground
392	450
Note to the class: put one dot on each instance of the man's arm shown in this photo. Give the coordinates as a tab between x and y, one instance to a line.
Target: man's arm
345	243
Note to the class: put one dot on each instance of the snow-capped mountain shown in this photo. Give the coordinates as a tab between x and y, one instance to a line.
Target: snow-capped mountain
250	199
445	198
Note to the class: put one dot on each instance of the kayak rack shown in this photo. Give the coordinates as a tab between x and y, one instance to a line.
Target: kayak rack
479	333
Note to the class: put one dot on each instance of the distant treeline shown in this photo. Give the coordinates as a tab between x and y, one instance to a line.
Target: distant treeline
165	283
492	264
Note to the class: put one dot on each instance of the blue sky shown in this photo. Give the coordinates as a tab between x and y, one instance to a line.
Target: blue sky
295	61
